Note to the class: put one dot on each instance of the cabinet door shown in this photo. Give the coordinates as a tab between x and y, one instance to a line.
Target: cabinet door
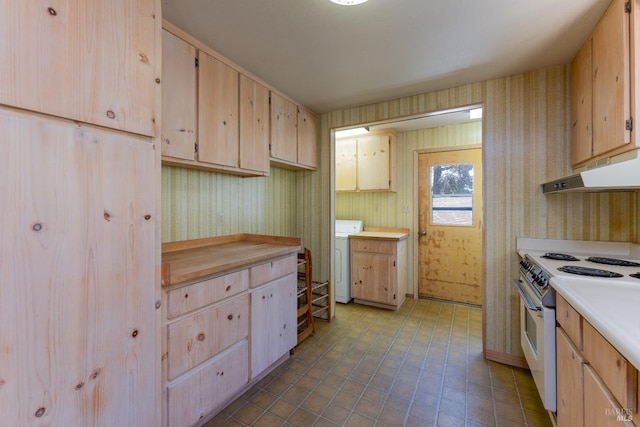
284	134
371	277
218	123
77	313
611	81
569	381
273	322
90	61
373	163
581	105
307	138
254	125
178	97
346	160
601	408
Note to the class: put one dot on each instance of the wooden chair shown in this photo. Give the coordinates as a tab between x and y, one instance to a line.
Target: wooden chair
306	326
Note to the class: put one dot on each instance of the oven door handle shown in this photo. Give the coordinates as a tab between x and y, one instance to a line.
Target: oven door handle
525	298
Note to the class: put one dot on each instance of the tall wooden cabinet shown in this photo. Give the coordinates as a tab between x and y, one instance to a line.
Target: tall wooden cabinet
601	82
79	312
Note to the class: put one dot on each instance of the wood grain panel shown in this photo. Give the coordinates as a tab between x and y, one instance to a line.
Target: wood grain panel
59	59
78	325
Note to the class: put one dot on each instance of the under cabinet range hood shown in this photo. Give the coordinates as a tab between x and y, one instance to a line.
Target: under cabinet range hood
617	173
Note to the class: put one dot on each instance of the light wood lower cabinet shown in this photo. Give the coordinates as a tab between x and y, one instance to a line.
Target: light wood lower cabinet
273	322
596	385
378	272
193	397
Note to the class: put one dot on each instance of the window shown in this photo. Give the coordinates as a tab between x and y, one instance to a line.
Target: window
452	194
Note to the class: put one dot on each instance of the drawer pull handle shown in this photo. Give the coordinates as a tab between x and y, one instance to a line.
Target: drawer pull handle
228	288
201	336
230	317
221	373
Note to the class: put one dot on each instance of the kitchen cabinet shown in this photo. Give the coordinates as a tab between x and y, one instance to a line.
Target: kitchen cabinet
232	111
294	135
601	97
273	316
379	268
595	383
229	318
366	163
78	316
93	62
178	98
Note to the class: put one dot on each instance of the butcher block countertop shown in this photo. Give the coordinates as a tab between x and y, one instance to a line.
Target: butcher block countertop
380	233
193	259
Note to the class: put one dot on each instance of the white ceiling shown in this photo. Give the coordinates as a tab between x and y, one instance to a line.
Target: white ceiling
328	57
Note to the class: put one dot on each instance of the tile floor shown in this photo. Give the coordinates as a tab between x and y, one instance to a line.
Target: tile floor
419	366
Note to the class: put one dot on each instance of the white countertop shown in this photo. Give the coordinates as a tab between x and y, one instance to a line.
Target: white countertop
613	310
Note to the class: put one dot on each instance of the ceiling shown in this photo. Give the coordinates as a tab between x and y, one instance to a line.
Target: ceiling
329	57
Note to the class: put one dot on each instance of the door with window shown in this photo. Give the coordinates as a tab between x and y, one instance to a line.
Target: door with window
450	221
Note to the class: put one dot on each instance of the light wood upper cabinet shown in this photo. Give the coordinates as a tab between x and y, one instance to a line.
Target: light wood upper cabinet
254	125
218	122
284	132
366	163
93	62
178	97
601	89
307	138
294	135
346	165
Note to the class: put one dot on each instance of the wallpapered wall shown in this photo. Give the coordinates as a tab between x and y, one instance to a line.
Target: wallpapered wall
383	209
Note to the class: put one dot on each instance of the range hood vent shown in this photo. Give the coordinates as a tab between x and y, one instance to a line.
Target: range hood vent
618	173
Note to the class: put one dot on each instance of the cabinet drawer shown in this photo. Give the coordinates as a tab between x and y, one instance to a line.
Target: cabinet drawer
570	321
265	273
194	397
377	246
188	298
194	339
620	376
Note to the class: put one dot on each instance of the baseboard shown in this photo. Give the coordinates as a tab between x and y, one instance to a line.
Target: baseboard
507	359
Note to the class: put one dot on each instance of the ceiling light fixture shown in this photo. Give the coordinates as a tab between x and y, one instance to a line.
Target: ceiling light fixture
351	132
348	2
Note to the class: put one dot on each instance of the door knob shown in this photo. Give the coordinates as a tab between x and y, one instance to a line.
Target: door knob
423	233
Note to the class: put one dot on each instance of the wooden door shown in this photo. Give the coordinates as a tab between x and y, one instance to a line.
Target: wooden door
78	323
373	162
178	98
611	79
90	61
307	138
450	221
284	134
218	121
254	125
346	160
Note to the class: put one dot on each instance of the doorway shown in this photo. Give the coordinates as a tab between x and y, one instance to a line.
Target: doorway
450	225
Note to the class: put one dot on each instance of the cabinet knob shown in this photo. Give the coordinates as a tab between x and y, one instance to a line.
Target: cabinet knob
230	317
201	337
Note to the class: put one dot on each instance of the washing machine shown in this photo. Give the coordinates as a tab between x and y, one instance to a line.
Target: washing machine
344	227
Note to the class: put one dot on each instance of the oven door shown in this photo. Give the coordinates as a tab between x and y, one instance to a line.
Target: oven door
538	340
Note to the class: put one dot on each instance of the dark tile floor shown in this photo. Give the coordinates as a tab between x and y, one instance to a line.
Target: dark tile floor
419	366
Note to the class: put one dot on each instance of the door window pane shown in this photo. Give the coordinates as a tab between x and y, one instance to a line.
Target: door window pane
452	194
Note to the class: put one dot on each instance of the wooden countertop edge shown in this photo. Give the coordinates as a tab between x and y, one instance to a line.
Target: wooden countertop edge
394	234
289	245
221	240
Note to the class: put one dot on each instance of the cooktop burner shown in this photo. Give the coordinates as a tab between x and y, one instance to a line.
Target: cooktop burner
560	257
586	271
635	275
613	261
